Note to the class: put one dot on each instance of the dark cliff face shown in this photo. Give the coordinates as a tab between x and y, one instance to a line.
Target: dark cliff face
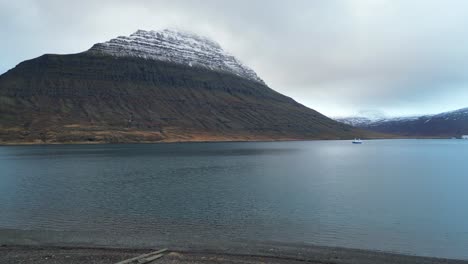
98	98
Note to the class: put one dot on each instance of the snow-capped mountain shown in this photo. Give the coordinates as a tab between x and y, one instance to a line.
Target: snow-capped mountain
151	87
360	121
447	124
356	121
177	47
460	114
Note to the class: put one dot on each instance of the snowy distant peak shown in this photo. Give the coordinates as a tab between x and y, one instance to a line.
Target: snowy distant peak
359	121
459	112
177	47
356	121
366	122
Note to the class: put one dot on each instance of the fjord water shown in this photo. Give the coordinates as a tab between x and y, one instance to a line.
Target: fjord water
407	196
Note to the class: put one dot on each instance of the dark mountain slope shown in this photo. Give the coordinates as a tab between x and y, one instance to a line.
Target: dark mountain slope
91	97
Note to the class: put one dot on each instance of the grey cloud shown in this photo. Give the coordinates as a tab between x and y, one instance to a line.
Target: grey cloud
339	57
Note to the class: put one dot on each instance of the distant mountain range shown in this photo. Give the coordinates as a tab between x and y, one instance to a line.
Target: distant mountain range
151	86
447	124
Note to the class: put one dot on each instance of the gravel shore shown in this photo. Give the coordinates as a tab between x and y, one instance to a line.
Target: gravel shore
277	255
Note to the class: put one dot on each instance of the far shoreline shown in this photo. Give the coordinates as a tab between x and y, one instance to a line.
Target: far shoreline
208	141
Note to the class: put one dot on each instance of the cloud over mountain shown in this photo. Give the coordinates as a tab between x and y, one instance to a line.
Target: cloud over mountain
340	57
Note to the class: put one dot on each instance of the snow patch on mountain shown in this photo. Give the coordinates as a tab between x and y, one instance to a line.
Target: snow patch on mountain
460	114
369	121
177	47
354	121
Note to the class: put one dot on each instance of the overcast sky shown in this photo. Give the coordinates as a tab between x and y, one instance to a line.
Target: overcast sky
339	57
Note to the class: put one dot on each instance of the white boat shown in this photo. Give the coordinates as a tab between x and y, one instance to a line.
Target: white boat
357	141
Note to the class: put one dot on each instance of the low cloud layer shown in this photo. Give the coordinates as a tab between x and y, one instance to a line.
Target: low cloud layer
339	57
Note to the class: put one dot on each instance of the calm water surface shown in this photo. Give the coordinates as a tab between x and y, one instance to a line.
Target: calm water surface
408	196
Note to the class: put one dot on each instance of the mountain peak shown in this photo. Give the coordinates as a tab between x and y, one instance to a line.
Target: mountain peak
179	35
178	47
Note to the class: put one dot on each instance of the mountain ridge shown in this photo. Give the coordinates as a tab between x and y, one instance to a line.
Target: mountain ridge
98	97
446	124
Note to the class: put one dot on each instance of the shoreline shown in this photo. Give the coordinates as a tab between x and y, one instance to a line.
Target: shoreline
161	142
264	253
6	144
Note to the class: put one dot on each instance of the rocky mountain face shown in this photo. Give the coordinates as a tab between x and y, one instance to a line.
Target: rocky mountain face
150	87
177	47
448	124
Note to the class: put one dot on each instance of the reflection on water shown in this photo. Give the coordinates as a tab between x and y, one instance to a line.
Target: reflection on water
397	195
